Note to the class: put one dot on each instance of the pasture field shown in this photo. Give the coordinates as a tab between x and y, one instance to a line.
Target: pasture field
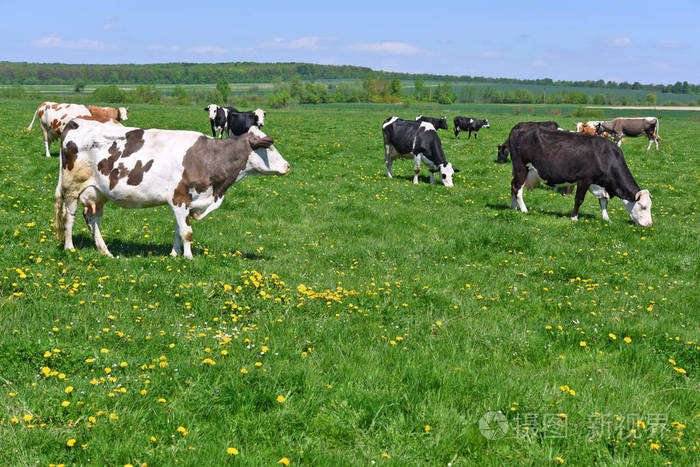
337	317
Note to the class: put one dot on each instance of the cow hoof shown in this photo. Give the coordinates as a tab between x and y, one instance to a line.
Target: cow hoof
574	218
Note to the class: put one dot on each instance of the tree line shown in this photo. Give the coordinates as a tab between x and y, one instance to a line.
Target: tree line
24	73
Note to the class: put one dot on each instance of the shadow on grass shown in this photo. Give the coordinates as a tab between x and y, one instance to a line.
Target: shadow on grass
504	207
132	249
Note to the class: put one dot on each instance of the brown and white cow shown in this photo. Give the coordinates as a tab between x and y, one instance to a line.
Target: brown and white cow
591	128
137	168
53	118
633	127
102	114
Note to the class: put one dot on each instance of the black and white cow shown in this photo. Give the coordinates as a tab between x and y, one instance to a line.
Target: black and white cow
632	127
240	122
564	158
438	123
504	149
470	124
218	118
406	139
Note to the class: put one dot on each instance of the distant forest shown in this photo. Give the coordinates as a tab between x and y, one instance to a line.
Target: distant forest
22	73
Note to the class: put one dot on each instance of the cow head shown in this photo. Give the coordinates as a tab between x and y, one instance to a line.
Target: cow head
260	114
600	128
502	153
264	159
211	108
640	208
442	124
486	123
123	114
446	172
579	127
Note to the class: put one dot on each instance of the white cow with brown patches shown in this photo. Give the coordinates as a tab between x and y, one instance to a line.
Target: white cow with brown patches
53	118
137	168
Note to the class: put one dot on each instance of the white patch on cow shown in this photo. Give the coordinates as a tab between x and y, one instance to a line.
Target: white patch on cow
446	173
640	209
486	125
264	161
471	120
419	117
261	116
212	111
579	127
392	120
427	126
533	177
123	114
520	200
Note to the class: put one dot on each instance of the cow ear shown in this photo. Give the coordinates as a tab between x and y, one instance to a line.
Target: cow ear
258	142
455	169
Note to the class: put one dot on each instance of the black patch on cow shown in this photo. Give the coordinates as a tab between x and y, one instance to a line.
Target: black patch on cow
240	122
134	142
69	155
211	163
136	174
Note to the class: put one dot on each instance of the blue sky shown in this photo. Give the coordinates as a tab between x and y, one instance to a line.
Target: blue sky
649	42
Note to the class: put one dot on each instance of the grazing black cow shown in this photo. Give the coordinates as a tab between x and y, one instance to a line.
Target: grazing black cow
240	122
218	118
564	158
405	139
438	123
470	124
632	127
503	149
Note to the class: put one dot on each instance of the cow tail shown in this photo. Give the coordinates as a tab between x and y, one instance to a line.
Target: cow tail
656	130
29	128
59	205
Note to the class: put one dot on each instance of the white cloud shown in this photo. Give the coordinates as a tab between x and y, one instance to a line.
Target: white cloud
60	43
308	43
619	42
208	49
392	47
668	44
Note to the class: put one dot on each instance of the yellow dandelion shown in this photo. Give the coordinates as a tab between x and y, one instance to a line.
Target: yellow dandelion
281	399
232	451
27	418
654	446
71	442
244	371
679	370
559	459
427	428
627	340
612	336
283	461
182	430
65	404
69	389
582	343
47	354
14	420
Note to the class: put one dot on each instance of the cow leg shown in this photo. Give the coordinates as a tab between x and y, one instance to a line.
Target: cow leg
476	133
182	227
456	132
650	141
46	141
602	195
177	242
470	135
92	218
516	188
388	159
416	168
69	208
580	195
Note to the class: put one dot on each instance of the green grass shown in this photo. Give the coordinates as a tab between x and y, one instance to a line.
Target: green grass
383	307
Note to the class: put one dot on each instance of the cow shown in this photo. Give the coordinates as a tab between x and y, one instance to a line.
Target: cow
563	158
53	117
591	128
137	168
218	118
405	139
470	124
240	122
438	123
633	127
102	114
504	149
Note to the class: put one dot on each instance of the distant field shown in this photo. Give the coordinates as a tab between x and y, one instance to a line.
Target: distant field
408	86
337	317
